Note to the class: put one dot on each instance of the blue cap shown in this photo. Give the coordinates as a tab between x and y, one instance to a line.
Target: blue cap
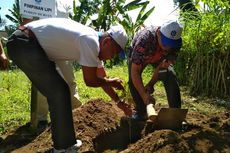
171	34
170	42
122	54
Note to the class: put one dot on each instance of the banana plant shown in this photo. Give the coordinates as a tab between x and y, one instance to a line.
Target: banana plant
105	15
85	10
108	12
116	11
2	21
15	16
126	20
113	11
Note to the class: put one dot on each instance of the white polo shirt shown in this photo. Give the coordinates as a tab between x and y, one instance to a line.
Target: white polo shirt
65	39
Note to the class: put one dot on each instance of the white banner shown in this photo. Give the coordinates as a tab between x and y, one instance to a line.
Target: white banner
37	8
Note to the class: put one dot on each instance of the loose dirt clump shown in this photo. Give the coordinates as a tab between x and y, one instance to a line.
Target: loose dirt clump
102	127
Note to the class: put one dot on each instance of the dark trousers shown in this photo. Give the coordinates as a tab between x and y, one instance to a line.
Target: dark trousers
171	87
28	55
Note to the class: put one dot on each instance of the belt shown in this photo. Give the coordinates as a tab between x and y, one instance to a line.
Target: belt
27	31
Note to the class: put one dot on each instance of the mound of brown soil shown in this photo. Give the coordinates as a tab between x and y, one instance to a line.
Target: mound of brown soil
102	128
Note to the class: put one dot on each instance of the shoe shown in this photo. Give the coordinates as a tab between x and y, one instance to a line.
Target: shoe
42	125
72	149
139	117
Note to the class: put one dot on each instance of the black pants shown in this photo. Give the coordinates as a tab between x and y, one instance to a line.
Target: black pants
171	87
28	55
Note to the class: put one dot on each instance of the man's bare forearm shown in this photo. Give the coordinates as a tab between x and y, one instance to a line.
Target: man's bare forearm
111	93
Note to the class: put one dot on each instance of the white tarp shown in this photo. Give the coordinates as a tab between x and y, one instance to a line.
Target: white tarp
45	8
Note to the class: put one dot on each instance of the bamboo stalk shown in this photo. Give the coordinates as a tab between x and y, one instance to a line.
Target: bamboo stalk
216	77
219	76
193	73
197	74
207	72
213	74
223	76
202	73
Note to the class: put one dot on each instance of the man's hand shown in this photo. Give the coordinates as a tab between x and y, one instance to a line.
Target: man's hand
149	88
116	83
3	62
165	64
125	108
148	99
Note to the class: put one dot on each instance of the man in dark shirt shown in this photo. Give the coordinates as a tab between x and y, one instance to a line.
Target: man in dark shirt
157	46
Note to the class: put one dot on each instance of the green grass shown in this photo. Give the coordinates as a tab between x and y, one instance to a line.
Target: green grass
15	96
87	93
14	99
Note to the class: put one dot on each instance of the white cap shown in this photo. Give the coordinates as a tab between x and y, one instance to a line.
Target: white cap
119	35
171	30
171	34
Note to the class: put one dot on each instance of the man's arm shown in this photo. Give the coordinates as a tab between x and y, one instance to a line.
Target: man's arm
95	77
149	86
91	79
138	83
3	59
108	89
163	65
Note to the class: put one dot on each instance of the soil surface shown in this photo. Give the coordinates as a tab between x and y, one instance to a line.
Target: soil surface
102	127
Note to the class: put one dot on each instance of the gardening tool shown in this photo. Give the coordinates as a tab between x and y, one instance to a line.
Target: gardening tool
125	108
169	118
151	112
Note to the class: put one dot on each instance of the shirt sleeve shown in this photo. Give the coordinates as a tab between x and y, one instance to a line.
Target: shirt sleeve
89	50
143	46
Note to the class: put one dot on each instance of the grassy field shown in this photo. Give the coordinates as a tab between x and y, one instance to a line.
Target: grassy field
15	89
15	96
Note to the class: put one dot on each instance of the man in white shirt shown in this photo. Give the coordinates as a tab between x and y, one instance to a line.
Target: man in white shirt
35	47
39	105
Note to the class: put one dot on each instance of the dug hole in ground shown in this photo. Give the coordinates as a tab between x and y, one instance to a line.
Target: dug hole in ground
102	127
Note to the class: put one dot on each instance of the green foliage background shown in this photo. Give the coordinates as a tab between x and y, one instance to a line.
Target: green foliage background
203	63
